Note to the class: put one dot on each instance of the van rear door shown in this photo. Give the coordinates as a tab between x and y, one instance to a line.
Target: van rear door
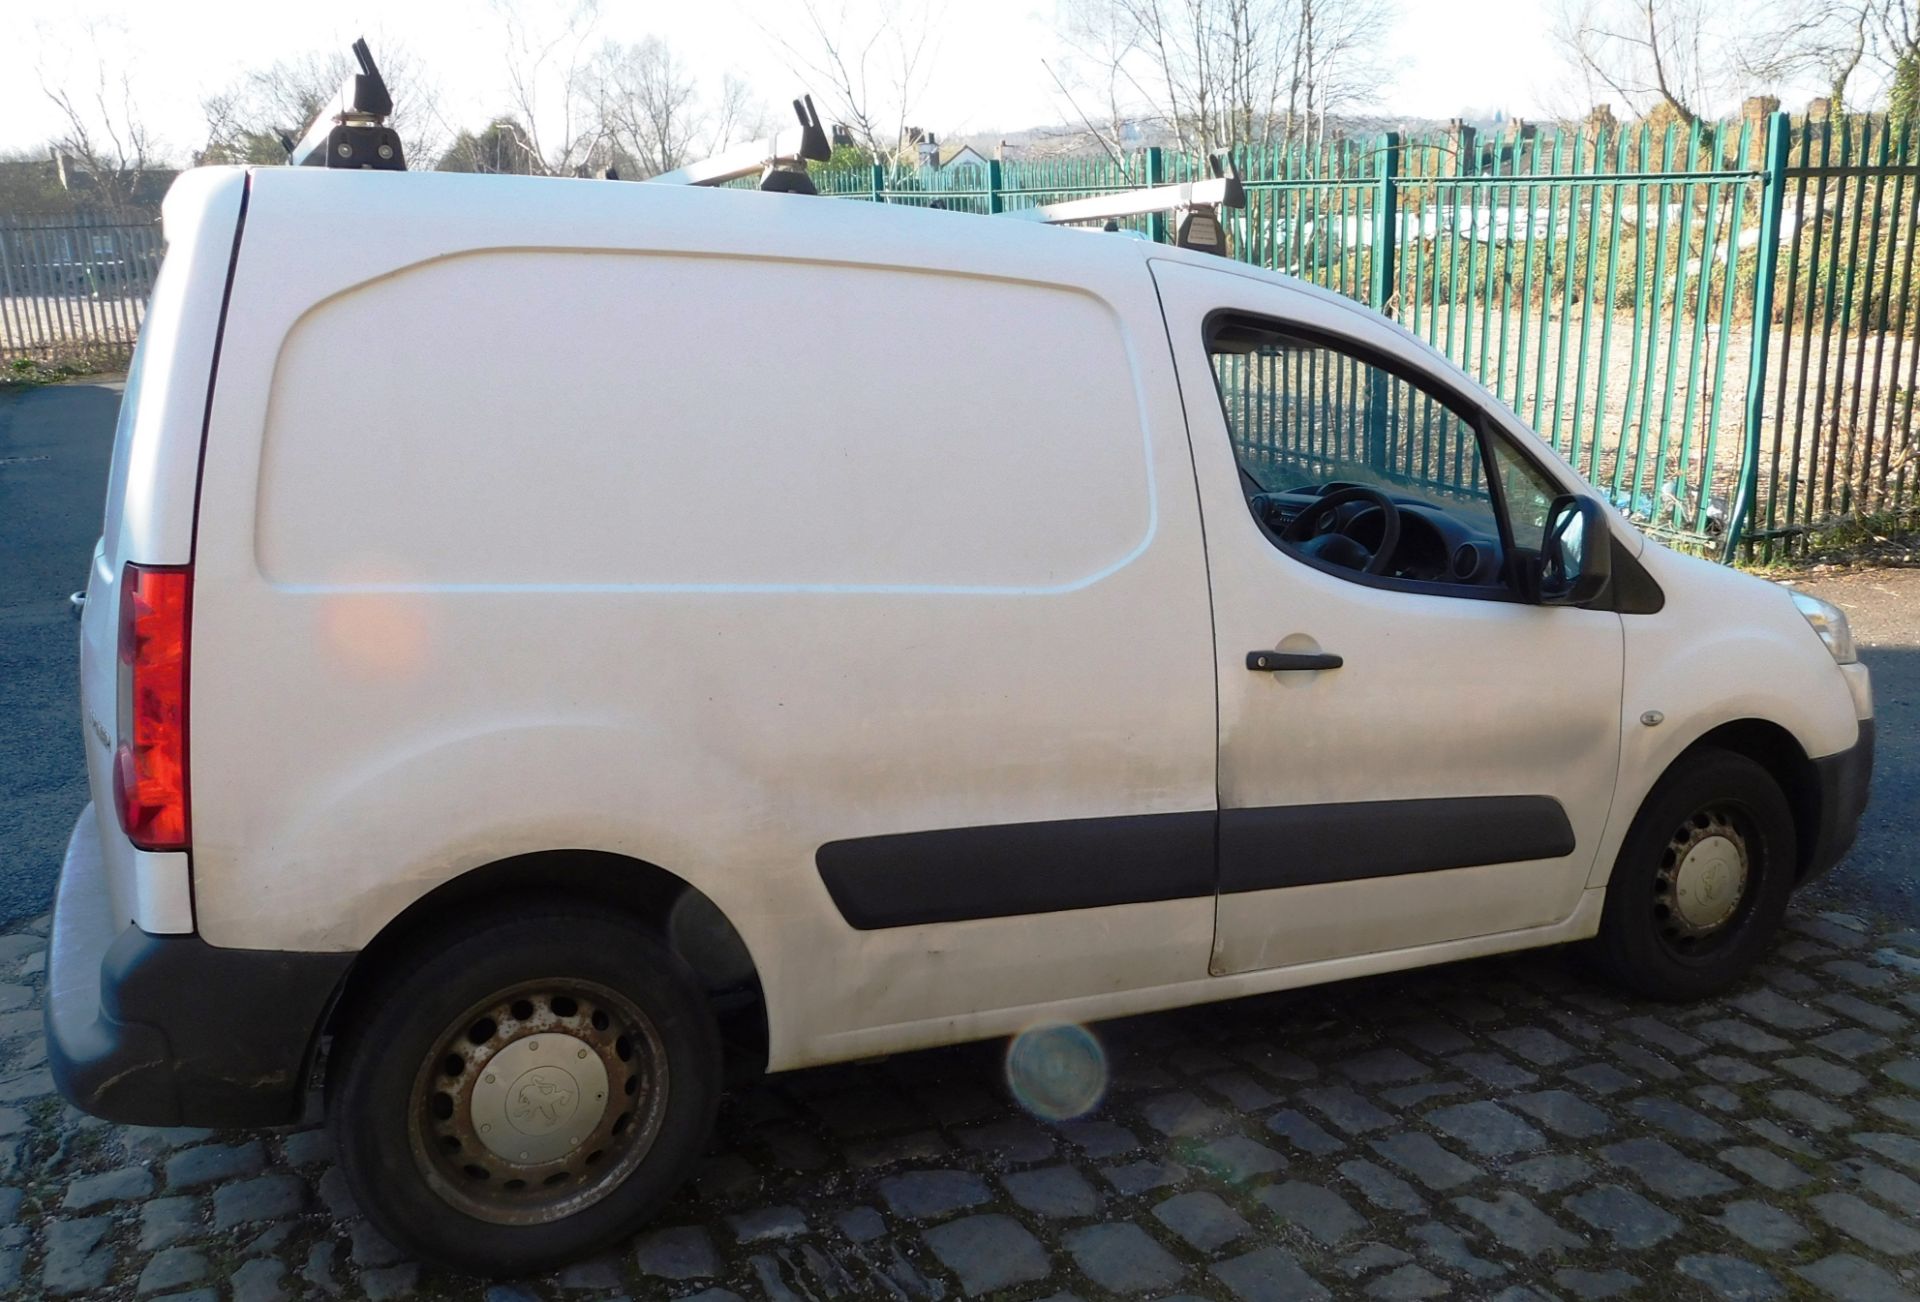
151	487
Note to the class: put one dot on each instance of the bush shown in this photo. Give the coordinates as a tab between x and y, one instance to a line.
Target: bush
27	372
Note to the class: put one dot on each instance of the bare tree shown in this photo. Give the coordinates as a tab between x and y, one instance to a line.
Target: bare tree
1693	57
1098	63
654	114
868	67
103	130
1895	29
1337	59
645	99
1823	39
737	114
1217	74
550	84
1648	53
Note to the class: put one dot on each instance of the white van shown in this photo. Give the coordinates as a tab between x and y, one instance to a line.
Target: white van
557	637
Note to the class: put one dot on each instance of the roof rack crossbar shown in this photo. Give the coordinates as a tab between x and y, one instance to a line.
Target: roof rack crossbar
780	161
1194	205
1223	190
353	132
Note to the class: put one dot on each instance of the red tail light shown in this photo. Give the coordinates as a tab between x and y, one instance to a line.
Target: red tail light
150	768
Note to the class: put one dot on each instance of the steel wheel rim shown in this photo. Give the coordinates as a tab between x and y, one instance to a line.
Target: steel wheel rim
551	1149
1703	887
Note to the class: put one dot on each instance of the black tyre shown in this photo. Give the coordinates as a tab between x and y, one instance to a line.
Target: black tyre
523	1088
1702	880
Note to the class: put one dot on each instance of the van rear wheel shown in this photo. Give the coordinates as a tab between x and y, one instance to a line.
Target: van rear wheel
1702	880
524	1088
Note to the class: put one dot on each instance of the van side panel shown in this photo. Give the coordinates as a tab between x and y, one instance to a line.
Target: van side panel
707	529
681	439
150	507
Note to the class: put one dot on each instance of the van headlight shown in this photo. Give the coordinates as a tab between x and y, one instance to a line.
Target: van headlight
1831	624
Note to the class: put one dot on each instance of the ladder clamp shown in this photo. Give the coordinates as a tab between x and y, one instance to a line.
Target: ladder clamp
355	134
780	161
1194	205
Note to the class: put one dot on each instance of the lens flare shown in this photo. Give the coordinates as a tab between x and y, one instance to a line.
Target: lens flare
1057	1072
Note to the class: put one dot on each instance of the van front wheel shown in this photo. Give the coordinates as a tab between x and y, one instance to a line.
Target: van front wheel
1702	880
524	1088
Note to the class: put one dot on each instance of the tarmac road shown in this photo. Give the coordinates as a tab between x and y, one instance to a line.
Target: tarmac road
1883	605
54	445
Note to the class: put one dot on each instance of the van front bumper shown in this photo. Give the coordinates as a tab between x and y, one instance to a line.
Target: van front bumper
169	1030
1844	780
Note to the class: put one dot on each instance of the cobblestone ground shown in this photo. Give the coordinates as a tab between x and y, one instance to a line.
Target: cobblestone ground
1499	1129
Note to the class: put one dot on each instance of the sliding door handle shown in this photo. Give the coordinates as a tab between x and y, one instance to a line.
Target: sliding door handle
1273	662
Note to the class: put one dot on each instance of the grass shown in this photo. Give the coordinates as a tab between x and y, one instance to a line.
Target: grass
26	373
31	372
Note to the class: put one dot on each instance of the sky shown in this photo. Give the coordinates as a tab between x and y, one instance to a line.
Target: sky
986	70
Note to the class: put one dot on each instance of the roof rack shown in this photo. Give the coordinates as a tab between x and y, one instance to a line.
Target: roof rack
1194	205
781	161
782	164
355	134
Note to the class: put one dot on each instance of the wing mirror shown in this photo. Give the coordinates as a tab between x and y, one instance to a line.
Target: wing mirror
1576	553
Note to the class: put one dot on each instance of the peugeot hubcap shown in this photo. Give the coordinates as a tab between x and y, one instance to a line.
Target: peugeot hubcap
539	1102
539	1098
1702	879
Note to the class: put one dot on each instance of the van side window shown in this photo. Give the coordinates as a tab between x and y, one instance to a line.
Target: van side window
1357	469
1527	493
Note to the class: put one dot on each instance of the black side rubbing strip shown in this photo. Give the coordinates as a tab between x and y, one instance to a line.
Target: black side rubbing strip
908	878
1306	845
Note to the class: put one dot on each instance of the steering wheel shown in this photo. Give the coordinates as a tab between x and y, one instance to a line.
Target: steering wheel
1338	548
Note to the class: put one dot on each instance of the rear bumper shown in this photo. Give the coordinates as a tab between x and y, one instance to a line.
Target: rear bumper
1844	780
169	1030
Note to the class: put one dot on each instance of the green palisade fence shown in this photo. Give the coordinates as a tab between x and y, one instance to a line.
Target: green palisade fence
1836	441
1711	321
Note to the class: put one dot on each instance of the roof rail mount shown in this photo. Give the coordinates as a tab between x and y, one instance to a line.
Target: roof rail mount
354	134
1194	205
780	161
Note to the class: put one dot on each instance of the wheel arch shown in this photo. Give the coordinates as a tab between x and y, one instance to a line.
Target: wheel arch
1776	750
691	924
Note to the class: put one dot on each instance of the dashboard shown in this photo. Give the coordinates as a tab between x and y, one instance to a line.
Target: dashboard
1434	546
